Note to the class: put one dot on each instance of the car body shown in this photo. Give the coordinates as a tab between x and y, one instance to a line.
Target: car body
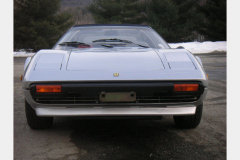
113	71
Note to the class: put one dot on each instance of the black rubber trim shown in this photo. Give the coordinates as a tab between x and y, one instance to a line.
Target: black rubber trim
85	89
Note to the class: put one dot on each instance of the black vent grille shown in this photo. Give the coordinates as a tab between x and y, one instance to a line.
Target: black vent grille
95	100
167	99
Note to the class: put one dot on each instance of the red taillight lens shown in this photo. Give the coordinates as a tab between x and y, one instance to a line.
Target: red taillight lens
186	87
84	46
48	88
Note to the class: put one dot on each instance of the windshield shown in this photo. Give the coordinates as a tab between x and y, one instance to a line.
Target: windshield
111	36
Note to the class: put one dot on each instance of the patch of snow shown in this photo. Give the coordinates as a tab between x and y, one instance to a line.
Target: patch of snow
19	53
202	47
22	54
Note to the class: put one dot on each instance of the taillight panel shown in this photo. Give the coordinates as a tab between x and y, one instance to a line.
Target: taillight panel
48	88
186	87
142	89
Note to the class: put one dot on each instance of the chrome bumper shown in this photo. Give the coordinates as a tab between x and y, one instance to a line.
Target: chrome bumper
101	111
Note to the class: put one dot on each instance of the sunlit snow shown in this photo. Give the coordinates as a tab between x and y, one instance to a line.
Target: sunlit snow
202	47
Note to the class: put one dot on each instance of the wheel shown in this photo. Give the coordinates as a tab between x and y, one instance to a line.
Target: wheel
34	121
191	121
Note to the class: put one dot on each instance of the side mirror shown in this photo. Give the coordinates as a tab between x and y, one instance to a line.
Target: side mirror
180	47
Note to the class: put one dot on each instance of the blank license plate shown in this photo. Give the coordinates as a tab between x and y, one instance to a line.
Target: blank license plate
117	97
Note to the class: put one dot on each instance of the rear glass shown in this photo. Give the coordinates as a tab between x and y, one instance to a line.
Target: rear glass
139	35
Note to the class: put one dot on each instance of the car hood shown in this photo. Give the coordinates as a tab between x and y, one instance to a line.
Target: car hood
115	59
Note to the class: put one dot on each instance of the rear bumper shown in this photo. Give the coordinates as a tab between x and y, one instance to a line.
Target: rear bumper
133	110
101	111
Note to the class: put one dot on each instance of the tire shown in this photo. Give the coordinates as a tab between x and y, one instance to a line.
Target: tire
191	121
34	121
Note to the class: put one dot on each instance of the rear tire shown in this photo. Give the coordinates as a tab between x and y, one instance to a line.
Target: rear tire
34	121
191	121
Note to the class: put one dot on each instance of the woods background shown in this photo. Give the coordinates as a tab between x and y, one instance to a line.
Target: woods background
38	24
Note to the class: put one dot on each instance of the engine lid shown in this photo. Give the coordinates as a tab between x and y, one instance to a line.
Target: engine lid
114	59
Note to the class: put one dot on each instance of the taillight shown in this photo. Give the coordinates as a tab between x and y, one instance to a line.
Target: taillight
48	88
186	87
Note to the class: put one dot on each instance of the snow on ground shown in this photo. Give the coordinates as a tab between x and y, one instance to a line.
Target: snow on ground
194	47
22	54
202	47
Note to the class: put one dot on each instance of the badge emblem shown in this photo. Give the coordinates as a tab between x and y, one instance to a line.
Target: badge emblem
115	74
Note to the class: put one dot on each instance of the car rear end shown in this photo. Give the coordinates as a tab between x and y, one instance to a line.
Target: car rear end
120	81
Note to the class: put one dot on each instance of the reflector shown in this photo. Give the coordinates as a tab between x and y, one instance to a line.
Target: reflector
186	87
48	88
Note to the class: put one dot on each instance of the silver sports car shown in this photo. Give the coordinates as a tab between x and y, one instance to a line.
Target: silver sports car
113	71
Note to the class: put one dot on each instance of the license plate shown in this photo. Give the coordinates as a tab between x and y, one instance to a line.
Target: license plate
117	97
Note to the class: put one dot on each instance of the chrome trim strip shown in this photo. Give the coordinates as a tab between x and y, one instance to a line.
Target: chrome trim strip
100	111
